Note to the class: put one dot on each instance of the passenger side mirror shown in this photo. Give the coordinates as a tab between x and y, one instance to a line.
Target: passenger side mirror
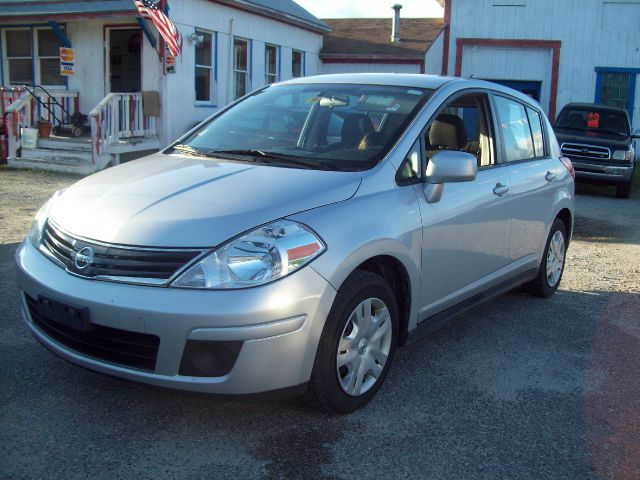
636	134
448	166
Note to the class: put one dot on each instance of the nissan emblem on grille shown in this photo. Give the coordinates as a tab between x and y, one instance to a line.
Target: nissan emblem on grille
84	258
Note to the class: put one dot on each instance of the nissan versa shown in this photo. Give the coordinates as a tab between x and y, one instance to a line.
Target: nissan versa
293	240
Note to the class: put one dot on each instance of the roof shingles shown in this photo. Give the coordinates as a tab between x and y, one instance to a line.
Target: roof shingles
353	37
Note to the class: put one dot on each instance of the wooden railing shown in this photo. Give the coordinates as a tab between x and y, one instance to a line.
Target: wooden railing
20	109
8	95
52	111
118	116
17	116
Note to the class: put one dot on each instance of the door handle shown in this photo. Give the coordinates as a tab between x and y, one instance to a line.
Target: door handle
550	176
500	189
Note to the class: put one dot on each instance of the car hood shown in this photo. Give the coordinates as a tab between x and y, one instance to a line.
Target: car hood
610	140
177	201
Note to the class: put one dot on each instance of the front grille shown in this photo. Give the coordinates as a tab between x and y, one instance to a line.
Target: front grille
121	347
591	152
154	266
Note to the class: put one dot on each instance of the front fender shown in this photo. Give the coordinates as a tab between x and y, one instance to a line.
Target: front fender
373	223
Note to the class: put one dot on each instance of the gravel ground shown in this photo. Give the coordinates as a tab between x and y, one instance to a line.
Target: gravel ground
518	388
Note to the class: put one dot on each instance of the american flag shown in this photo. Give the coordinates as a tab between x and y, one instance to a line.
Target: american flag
167	29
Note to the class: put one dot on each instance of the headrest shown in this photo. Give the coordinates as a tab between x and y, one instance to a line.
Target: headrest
448	132
355	126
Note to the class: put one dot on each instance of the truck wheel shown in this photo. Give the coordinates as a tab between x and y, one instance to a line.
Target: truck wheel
623	190
357	345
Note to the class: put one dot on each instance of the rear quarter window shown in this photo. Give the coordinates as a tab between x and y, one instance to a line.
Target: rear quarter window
515	130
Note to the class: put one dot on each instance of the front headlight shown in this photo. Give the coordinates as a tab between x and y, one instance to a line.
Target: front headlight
40	220
255	258
623	155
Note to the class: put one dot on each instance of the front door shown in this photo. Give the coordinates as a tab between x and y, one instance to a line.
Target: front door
124	49
466	233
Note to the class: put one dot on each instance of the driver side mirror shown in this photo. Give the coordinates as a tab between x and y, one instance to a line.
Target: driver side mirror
448	166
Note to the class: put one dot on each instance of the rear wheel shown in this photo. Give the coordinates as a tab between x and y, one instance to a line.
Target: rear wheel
357	345
552	264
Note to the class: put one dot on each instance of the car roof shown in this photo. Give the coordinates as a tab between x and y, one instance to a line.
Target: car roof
594	106
413	80
392	79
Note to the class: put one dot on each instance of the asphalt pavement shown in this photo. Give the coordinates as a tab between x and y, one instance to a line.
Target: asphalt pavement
520	388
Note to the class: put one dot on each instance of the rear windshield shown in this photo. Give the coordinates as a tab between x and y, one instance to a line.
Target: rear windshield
331	126
585	119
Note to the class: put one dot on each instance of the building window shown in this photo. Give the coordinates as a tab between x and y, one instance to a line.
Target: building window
241	66
271	63
205	73
297	64
615	89
32	55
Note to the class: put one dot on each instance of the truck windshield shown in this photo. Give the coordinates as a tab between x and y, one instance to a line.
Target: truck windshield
595	120
325	126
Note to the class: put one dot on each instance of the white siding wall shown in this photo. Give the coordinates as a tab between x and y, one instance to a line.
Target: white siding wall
328	68
601	33
433	58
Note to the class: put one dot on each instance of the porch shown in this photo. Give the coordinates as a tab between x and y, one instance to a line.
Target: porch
117	125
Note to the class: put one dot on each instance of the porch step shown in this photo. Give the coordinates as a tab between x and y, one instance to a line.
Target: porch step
76	145
59	157
53	167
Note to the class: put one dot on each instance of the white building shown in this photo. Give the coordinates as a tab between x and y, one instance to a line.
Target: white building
230	48
557	51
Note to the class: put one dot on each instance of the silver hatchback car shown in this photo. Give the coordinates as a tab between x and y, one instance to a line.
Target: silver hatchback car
294	239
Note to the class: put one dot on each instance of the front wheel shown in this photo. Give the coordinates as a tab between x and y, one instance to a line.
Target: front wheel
623	190
552	264
357	345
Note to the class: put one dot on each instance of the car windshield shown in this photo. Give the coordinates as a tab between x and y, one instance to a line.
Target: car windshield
594	120
343	127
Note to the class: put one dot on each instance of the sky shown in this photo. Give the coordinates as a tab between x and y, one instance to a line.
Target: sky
370	8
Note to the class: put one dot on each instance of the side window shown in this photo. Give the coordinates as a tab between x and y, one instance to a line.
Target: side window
410	168
464	125
515	129
536	132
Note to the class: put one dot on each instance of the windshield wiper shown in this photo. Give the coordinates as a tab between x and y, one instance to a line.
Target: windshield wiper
604	130
577	129
263	156
188	149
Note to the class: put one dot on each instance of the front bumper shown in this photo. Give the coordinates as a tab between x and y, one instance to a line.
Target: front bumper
603	173
279	324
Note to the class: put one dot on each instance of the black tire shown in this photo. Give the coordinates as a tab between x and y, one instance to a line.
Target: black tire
623	190
55	129
540	287
324	390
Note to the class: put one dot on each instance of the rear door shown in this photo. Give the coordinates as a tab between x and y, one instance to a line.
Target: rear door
533	174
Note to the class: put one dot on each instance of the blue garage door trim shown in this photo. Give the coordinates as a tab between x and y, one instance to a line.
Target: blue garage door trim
633	74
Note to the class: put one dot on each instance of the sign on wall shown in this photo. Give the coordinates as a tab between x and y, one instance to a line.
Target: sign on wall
67	61
169	62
